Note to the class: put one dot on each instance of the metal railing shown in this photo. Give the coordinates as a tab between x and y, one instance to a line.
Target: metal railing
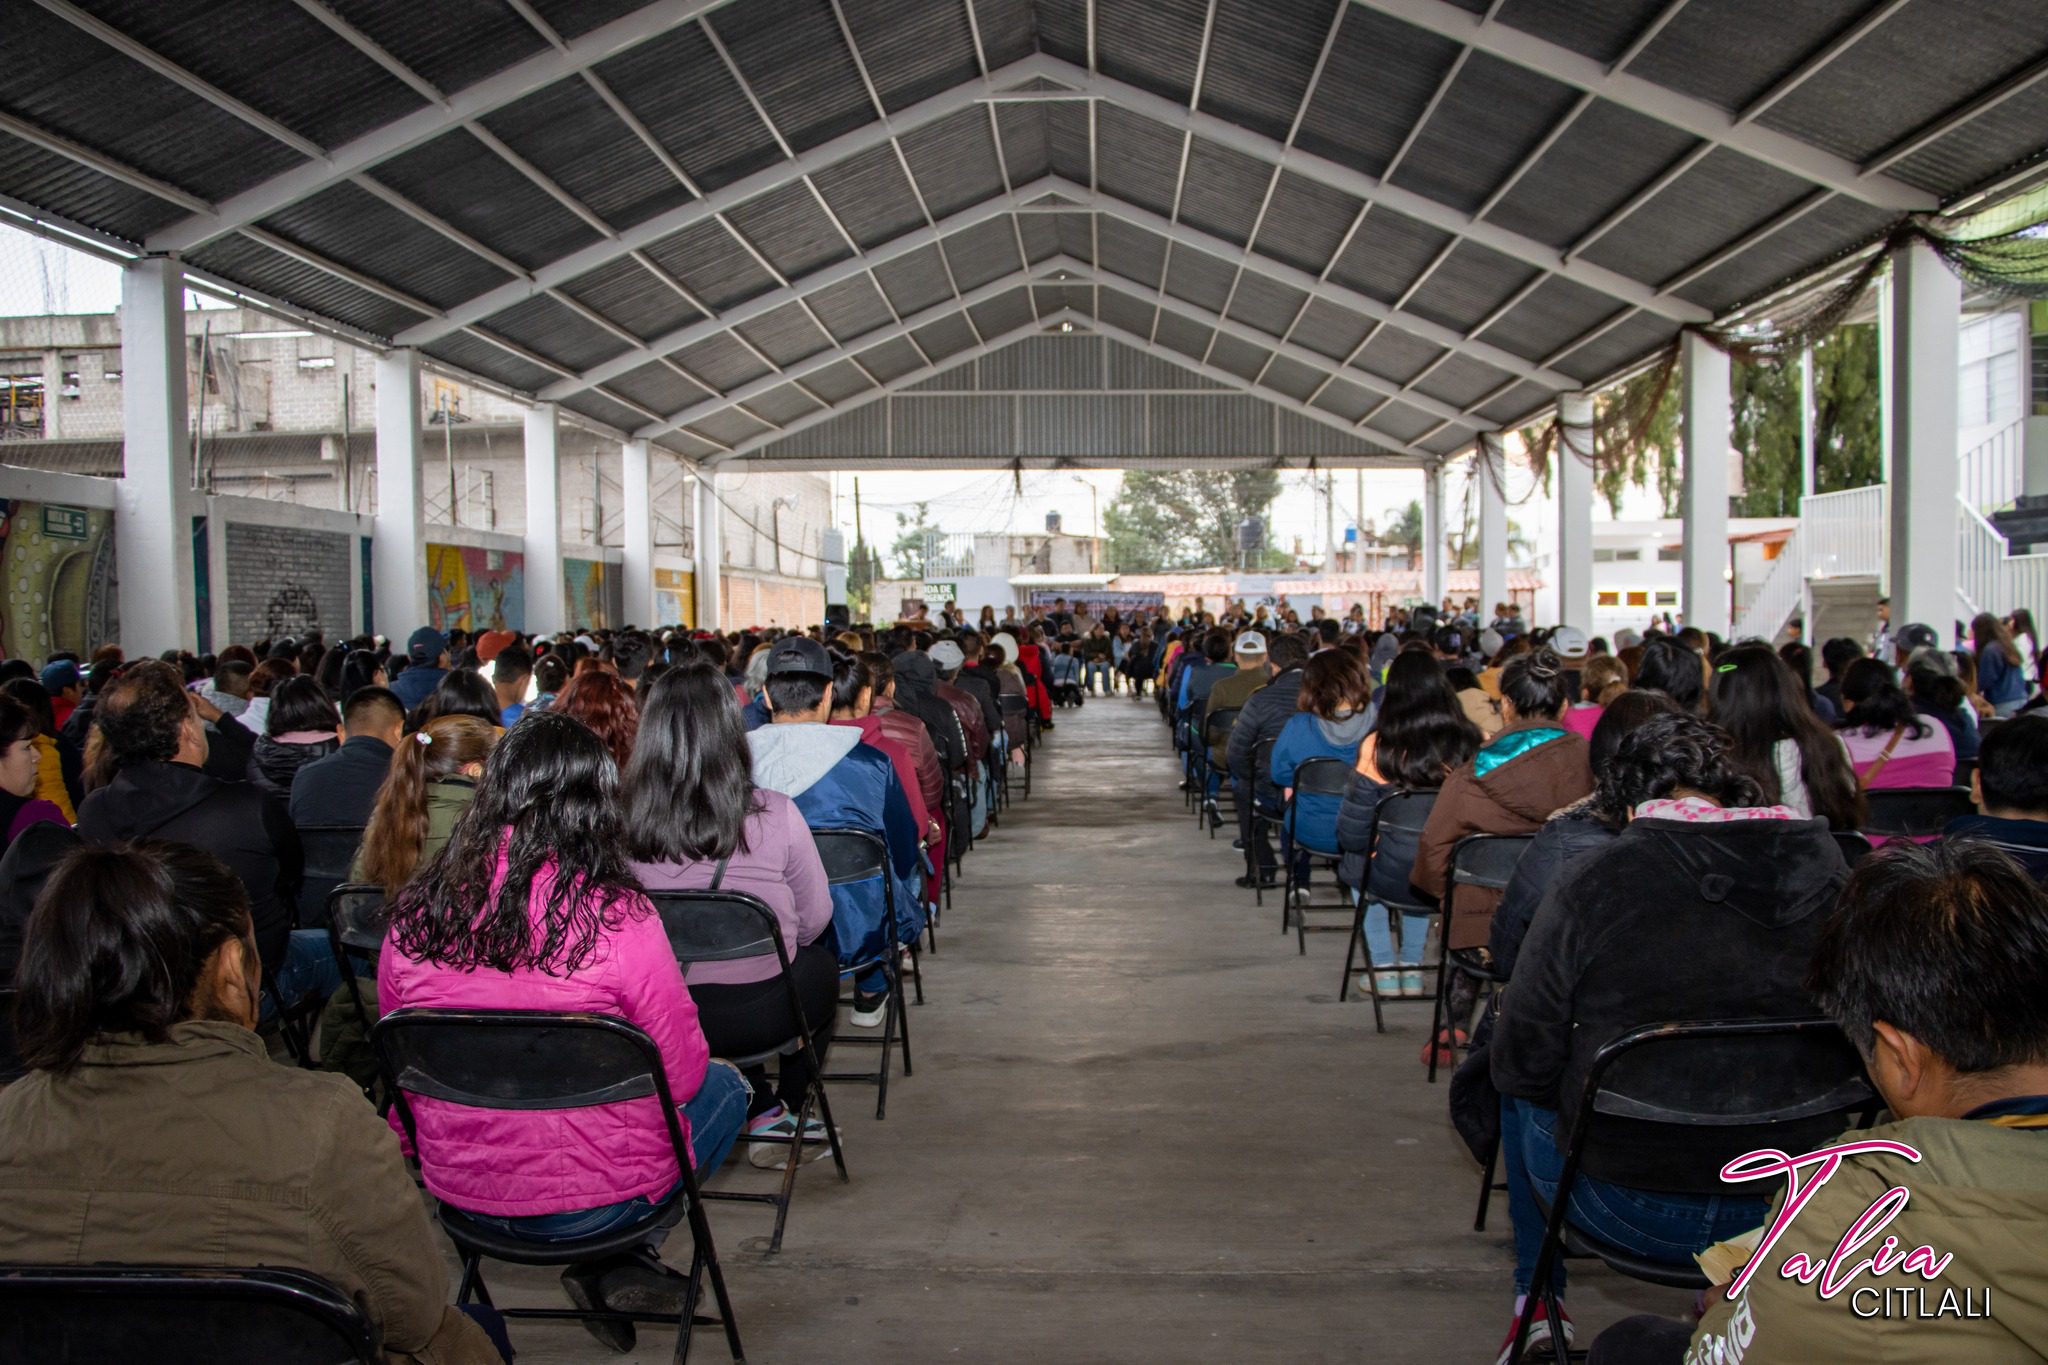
1993	472
1846	533
1988	576
1784	588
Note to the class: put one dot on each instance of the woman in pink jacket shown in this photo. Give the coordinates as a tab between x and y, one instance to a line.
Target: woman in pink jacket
532	905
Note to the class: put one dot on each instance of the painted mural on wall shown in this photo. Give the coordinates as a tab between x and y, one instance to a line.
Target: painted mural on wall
288	580
675	596
473	589
592	594
58	564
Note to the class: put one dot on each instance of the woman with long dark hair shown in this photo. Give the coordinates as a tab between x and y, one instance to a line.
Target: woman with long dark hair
1890	744
1421	735
532	904
2001	673
463	692
300	726
362	668
433	777
1669	667
1779	739
694	820
2027	641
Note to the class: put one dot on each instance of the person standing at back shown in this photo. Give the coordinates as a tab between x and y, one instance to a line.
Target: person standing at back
427	653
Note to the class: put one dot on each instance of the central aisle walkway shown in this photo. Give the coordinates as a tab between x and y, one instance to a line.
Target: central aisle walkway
1141	1129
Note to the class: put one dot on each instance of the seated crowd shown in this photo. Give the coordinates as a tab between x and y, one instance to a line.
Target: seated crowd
1697	833
528	816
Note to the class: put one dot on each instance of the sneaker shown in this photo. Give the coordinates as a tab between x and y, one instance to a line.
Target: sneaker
1411	985
868	1010
1389	984
580	1283
780	1123
641	1282
1443	1047
1541	1337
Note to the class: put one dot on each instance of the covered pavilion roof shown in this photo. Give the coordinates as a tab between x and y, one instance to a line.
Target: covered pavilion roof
797	231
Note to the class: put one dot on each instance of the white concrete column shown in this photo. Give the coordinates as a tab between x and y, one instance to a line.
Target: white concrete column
1927	303
545	608
636	568
1433	534
1575	510
398	549
154	503
710	552
1809	458
1703	499
1490	468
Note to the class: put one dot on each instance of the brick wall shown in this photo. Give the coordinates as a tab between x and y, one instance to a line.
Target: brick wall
287	579
752	601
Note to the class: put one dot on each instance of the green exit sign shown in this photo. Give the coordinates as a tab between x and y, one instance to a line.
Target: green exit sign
65	523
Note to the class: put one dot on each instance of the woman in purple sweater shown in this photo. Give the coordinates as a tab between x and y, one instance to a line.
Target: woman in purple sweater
694	817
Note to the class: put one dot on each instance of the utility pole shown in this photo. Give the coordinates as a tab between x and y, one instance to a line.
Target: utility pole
1358	519
1329	520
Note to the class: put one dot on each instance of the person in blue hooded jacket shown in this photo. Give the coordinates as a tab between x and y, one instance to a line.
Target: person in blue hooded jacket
1336	715
839	783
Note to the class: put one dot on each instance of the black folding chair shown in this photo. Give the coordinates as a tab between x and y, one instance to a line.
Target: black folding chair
1401	810
1484	862
1329	777
356	920
858	855
1855	847
11	1068
1679	1091
329	851
1262	819
179	1315
1216	727
536	1059
727	926
1914	812
1011	704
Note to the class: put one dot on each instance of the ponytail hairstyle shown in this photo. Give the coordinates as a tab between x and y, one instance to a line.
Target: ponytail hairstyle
398	825
1603	678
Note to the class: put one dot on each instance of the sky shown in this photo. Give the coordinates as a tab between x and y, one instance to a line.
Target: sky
38	276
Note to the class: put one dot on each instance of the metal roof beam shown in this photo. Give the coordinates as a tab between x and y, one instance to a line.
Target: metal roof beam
1659	102
1359	185
401	135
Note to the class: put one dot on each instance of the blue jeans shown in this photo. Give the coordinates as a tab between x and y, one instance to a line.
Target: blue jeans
716	1113
308	969
1379	937
1670	1227
977	807
1098	670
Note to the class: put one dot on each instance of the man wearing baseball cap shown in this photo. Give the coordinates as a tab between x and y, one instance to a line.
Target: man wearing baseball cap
1234	689
427	652
64	684
839	783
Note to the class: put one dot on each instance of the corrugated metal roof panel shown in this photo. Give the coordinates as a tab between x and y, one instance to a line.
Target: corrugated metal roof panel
1025	151
1491	118
600	408
891	359
1388	252
1330	330
1196	425
916	281
786	335
1223	191
1008	29
1300	436
1178	334
949	425
1629	342
1041	238
547	328
1062	29
1348	400
730	426
949	336
1292	378
1199	278
984	253
61	185
474	354
1451	439
1400	64
837	382
1692	54
912	52
954	160
1153	44
1607	155
627	294
2004	138
1045	362
1511	406
465	183
1400	422
1077	234
1396	355
575	138
851	308
1265	303
1122	310
1131	368
452	44
1556	312
1837	225
792	54
678	87
1090	426
1140	159
782	405
238	259
1066	135
861	432
1239	357
1003	312
281	61
1469	283
357	229
1462	380
871	195
1261	55
1306	222
1131	252
657	386
1721	198
959	379
1600	29
721	362
1047	298
712	265
791	229
58	77
574	18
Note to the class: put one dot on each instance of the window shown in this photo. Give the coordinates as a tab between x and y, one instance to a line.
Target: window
1667	597
316	362
1608	599
1611	556
1670	554
1639	599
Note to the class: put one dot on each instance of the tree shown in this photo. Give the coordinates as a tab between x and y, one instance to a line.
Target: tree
1847	427
863	567
1404	528
1465	540
1186	518
912	535
1615	470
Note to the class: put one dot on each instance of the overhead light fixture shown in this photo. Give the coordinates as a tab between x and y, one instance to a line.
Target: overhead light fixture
1066	327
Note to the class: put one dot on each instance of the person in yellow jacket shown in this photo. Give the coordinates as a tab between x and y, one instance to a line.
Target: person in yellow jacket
50	784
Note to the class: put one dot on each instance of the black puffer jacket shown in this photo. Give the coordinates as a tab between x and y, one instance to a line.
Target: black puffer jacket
1386	879
237	822
278	763
1266	712
1676	921
1566	837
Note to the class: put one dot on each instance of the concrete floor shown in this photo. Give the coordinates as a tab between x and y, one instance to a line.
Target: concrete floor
1141	1130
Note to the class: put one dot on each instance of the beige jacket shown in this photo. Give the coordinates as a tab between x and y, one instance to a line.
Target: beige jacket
202	1151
